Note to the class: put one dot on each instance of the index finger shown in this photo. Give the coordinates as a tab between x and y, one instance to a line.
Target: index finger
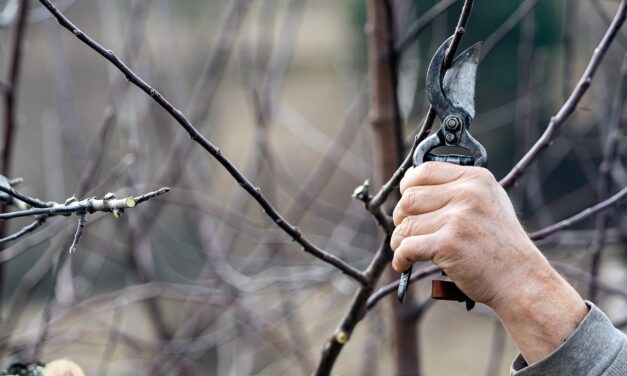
431	173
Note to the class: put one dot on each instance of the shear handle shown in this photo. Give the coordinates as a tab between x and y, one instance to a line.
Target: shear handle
462	160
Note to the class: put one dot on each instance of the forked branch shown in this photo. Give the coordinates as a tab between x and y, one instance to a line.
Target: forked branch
197	137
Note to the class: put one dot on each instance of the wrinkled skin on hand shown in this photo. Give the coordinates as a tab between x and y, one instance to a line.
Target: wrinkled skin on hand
461	219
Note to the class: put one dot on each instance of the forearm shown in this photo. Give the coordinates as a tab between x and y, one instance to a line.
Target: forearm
540	309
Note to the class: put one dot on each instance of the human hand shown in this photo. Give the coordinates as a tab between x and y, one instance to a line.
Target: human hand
463	221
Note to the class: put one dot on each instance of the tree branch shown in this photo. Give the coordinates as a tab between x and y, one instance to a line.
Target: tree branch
569	107
421	23
25	230
197	137
89	205
356	312
79	233
389	187
22	197
613	200
507	26
11	87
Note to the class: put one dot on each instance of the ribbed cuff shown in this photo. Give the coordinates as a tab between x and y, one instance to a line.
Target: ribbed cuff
592	349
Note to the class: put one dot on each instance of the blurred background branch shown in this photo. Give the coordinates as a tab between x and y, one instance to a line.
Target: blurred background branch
308	104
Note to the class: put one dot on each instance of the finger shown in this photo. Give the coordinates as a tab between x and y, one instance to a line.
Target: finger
414	249
422	199
417	225
431	173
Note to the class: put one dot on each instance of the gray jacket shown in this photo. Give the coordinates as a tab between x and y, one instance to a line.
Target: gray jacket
595	348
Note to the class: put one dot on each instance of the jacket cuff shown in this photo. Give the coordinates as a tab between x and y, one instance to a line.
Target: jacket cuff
589	350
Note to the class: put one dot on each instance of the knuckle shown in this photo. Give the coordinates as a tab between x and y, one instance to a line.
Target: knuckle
408	200
484	176
472	194
426	171
447	242
407	179
401	232
406	228
459	225
442	242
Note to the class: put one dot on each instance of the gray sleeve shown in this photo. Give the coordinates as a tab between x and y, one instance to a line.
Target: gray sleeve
596	347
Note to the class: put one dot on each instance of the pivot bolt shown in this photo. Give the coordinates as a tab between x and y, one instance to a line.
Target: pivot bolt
450	137
452	123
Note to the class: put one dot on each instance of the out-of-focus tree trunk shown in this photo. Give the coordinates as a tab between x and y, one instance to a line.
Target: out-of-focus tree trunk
385	121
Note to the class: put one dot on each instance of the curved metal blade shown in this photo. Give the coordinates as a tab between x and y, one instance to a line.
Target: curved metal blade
455	91
458	83
435	93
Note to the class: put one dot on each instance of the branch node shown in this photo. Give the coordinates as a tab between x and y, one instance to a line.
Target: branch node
362	192
341	337
130	202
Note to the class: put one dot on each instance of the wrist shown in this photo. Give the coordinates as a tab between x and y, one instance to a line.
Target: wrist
540	309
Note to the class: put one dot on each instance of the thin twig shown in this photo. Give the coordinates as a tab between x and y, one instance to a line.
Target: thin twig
421	23
34	202
507	26
572	272
89	205
610	153
79	232
197	137
571	104
610	202
24	231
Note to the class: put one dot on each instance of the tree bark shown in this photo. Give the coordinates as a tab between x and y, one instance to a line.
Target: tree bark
385	120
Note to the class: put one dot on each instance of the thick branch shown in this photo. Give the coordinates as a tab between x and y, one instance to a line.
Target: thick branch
11	88
356	312
389	187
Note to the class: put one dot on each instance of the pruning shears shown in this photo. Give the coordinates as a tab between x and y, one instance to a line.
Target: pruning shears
452	96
